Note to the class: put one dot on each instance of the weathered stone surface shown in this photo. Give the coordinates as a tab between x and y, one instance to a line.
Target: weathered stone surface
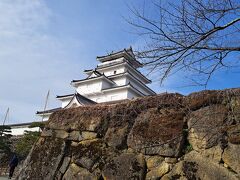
88	135
91	154
74	144
214	154
152	128
72	172
233	133
85	118
153	161
194	166
4	162
47	133
116	137
58	175
130	150
231	157
65	164
61	134
125	166
85	162
234	106
205	126
176	172
75	136
201	99
158	172
171	160
127	140
44	160
75	172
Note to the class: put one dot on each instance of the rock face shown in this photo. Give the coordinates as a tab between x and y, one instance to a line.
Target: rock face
125	166
153	129
159	171
194	166
45	159
231	157
168	136
206	126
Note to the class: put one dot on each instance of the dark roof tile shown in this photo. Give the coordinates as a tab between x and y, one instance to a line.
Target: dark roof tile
49	111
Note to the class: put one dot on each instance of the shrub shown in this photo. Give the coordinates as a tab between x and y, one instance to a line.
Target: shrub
5	143
24	145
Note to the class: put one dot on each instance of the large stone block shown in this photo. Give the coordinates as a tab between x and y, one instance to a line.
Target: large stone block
194	166
75	136
44	160
233	133
86	162
158	172
90	152
231	156
61	134
206	126
213	154
201	99
86	135
159	133
234	106
65	164
47	133
75	172
84	118
125	166
153	161
117	137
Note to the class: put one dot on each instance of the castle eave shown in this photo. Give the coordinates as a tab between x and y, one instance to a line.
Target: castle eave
100	68
102	77
82	100
127	73
124	53
48	112
65	96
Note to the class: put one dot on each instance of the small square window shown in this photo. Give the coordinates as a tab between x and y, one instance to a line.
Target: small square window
115	72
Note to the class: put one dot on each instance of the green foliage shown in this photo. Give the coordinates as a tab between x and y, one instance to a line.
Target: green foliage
37	124
5	129
188	148
5	143
25	143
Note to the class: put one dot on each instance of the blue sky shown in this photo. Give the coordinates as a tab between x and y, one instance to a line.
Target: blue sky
46	44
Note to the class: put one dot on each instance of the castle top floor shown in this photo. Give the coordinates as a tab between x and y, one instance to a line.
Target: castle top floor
126	55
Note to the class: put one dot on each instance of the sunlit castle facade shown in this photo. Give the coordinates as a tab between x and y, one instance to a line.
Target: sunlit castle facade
115	78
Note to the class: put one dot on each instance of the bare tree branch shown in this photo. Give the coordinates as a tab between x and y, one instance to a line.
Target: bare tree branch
192	35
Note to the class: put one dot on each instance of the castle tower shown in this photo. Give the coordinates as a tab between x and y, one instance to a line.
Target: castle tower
115	78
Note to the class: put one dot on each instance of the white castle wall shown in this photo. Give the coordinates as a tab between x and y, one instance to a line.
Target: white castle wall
66	101
89	87
113	70
106	85
137	86
132	95
109	96
120	81
20	131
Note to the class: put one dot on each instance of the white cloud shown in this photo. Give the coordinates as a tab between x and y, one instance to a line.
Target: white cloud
23	17
32	60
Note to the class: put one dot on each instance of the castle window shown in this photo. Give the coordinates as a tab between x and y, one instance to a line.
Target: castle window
115	72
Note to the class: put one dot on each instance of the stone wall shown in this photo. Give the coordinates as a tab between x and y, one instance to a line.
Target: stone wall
5	158
168	136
